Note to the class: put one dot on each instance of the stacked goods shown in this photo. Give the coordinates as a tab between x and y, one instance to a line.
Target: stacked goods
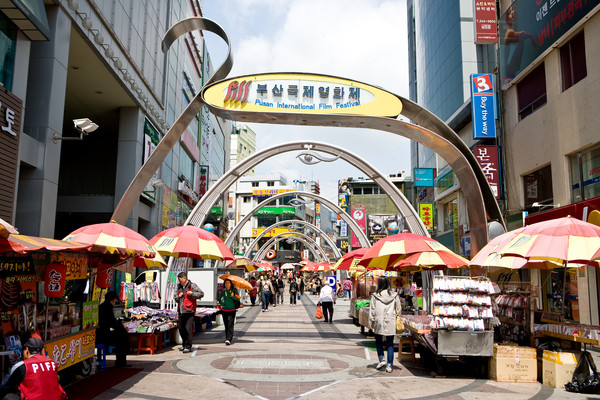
558	368
513	364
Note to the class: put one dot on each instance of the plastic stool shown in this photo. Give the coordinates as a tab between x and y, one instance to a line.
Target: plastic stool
101	355
166	337
410	341
151	340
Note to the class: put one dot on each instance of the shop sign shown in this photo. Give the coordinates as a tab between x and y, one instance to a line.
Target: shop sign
426	215
190	145
203	186
343	201
424	177
55	280
151	139
444	182
487	158
104	278
302	93
358	215
279	210
485	22
342	243
543	23
72	349
89	316
16	266
270	233
10	126
318	221
268	192
77	264
377	225
482	106
343	228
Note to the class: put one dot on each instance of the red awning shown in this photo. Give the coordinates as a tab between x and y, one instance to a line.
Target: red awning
576	210
24	244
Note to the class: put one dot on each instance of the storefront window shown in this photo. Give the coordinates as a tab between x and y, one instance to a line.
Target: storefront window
553	293
265	221
585	171
8	36
186	166
451	215
538	187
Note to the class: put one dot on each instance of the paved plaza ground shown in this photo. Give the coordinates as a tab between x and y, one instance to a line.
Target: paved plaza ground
286	354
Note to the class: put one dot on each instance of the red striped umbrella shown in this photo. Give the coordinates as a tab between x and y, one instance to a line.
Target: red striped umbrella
265	266
387	251
323	267
430	260
24	244
191	241
7	229
349	258
116	237
242	262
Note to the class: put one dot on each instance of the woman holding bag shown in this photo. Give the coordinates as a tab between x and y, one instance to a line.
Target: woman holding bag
229	299
385	307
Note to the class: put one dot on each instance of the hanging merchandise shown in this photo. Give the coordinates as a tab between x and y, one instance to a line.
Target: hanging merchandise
55	280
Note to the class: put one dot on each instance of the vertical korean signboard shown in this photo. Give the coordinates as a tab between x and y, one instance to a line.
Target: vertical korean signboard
358	214
10	126
482	106
151	139
426	215
487	157
203	180
485	22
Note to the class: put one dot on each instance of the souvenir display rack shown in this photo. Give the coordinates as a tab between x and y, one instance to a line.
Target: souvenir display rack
514	307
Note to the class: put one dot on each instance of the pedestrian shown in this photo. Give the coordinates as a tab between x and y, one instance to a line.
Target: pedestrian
186	295
348	288
280	289
34	378
253	292
229	299
266	290
293	291
385	307
301	286
111	332
273	297
327	300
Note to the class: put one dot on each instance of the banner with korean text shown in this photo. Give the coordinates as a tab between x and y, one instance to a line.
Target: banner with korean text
487	157
426	215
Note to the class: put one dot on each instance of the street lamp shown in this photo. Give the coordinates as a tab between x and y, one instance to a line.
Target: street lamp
82	125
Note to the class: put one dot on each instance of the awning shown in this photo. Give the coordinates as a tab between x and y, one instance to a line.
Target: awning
24	244
581	210
29	16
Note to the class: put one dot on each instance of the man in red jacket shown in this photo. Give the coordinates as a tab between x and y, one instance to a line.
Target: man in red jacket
35	378
186	295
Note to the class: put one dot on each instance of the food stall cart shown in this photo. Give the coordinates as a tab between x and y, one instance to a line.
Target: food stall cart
460	323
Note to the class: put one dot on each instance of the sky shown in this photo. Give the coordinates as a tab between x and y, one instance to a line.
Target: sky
361	40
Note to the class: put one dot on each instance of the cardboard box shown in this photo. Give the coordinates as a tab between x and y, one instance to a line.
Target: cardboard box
558	368
363	317
513	364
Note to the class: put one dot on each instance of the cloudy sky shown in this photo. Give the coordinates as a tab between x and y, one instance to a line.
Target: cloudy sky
362	40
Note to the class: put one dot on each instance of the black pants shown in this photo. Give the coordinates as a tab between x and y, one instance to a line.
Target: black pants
186	323
120	340
327	307
253	299
229	321
293	297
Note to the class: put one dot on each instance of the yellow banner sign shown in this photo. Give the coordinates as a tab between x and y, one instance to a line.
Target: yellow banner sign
426	215
72	349
268	192
302	93
271	233
77	264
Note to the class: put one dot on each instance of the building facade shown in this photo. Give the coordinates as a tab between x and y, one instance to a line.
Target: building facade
103	61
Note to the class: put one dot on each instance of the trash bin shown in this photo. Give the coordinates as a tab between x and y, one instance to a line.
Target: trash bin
219	319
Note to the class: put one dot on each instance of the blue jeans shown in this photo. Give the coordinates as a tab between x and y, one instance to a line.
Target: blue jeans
348	293
266	297
389	344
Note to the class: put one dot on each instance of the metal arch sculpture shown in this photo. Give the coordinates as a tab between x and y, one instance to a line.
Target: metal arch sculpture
294	221
308	245
481	201
203	207
364	241
281	235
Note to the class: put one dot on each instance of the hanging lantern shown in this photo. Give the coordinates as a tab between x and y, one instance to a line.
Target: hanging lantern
105	277
55	279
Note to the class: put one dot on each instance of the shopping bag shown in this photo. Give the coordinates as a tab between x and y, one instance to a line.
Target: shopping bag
399	325
298	296
319	313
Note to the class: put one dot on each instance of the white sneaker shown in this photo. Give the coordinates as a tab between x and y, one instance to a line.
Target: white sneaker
380	365
388	369
227	342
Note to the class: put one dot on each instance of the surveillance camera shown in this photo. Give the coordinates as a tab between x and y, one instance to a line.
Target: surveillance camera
85	125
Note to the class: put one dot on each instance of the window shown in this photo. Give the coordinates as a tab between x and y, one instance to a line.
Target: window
531	91
186	166
254	184
367	190
585	171
270	183
572	57
8	39
357	190
537	187
375	190
247	199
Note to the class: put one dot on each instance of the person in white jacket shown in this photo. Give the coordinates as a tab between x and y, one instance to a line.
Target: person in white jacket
327	300
385	306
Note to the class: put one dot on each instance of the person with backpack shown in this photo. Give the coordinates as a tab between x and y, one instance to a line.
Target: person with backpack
293	291
266	291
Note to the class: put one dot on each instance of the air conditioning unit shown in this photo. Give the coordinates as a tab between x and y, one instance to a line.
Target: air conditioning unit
182	186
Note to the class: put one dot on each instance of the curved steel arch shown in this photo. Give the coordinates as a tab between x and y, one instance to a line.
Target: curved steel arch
280	235
294	221
305	242
364	241
199	213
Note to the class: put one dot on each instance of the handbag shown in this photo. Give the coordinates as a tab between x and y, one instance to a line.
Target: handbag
399	325
298	296
236	302
319	313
